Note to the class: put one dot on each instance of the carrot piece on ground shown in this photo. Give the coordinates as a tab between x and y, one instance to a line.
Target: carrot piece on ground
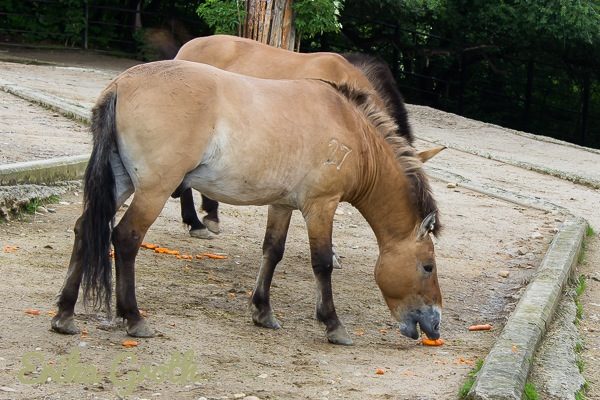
483	327
129	343
32	311
215	256
432	342
379	371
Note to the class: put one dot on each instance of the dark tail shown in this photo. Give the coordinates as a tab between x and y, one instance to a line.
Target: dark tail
380	76
99	206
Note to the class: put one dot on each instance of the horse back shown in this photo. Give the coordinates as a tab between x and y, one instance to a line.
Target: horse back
248	57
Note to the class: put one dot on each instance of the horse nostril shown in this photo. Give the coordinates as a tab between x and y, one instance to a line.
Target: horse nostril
436	327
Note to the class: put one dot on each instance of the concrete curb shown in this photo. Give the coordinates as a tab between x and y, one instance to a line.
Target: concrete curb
44	171
506	368
70	110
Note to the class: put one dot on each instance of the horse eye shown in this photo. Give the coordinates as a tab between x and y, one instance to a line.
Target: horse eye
428	268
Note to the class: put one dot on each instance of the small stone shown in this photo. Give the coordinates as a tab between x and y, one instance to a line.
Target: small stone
64	203
42	210
51	210
536	235
451	185
521	251
7	389
83	344
504	274
38	349
251	398
202	398
239	395
263	376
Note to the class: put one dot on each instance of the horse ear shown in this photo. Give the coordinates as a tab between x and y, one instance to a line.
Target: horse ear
427	225
425	155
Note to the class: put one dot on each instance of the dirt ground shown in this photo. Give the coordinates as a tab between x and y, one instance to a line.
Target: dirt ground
201	306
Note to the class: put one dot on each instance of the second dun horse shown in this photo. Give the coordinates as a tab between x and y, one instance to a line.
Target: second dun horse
252	58
303	144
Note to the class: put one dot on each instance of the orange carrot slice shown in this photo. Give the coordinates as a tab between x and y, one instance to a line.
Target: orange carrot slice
379	371
32	311
129	343
432	342
215	256
149	246
483	327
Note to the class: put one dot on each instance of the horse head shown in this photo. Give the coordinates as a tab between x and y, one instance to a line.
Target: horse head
406	274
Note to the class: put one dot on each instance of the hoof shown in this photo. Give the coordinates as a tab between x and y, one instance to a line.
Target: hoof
202	234
265	319
140	329
64	325
339	336
336	262
212	226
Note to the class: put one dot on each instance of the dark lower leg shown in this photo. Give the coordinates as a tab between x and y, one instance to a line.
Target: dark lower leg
63	321
211	208
273	247
126	241
188	211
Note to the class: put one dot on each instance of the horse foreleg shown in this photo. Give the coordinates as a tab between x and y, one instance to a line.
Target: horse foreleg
319	221
63	321
127	237
278	223
211	219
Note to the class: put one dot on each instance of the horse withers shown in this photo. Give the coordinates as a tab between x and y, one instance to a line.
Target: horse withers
240	140
252	58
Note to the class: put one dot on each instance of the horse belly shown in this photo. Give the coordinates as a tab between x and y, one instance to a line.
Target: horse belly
230	187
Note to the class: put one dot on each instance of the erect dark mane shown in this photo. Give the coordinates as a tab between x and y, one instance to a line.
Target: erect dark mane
380	76
406	155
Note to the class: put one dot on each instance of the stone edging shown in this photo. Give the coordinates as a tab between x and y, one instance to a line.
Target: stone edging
44	171
506	367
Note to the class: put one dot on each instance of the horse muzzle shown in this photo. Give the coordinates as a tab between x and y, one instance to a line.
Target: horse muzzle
428	318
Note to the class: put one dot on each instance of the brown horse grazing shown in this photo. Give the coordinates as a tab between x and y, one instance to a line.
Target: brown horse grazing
239	140
248	57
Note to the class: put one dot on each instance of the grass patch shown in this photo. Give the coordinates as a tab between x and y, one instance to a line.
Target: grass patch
464	389
589	231
580	394
579	289
530	392
581	285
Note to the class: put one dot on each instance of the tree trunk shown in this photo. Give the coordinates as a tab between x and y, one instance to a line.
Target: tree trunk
270	22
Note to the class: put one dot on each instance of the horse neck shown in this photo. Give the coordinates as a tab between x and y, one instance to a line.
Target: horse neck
385	200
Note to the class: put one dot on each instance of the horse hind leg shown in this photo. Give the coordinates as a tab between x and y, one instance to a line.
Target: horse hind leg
190	218
211	219
127	237
63	321
278	222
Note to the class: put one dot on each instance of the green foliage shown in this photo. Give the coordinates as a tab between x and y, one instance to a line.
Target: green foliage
464	389
581	285
530	392
314	17
32	206
223	16
589	232
62	21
